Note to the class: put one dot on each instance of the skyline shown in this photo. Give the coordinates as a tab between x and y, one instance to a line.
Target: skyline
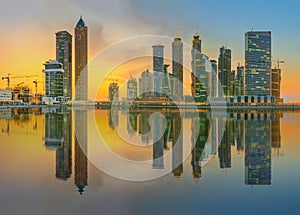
40	36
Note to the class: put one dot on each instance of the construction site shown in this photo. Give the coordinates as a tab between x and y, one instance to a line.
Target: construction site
21	90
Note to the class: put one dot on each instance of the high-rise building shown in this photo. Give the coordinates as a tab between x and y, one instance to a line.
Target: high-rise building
166	89
81	60
276	83
146	84
132	89
214	78
224	72
177	67
240	81
158	67
64	56
232	82
201	72
53	79
113	91
258	63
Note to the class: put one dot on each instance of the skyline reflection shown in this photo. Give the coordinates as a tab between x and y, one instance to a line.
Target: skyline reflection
252	134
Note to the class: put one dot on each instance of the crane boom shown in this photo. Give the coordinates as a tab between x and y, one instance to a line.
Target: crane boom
8	78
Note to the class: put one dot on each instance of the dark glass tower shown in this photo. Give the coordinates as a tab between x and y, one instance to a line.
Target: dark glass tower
177	67
64	56
225	70
81	59
158	68
258	63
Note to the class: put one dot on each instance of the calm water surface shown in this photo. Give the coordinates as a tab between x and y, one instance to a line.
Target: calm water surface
243	163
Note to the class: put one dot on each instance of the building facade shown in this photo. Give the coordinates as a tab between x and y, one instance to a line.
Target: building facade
53	79
158	66
113	91
146	85
240	81
258	63
64	56
201	72
224	72
214	78
177	67
132	89
276	84
81	60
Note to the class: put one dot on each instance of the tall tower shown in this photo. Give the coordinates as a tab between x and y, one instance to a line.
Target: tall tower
258	63
225	70
214	78
64	56
177	66
158	67
276	83
201	72
81	59
53	78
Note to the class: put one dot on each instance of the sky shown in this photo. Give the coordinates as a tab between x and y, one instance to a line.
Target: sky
27	36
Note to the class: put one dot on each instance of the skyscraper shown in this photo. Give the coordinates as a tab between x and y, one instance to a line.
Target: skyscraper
64	56
53	79
146	84
113	91
177	67
225	71
132	89
81	59
166	89
214	78
201	72
240	81
258	63
276	83
158	66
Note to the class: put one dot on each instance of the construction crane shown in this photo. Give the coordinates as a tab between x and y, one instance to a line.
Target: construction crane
36	82
278	62
8	78
18	85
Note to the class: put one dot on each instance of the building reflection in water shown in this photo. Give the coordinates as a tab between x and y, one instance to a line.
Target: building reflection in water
132	126
145	128
58	137
224	149
113	119
254	134
200	132
177	144
258	149
81	162
158	141
64	153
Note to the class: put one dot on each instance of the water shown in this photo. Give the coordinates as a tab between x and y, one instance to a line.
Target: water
233	163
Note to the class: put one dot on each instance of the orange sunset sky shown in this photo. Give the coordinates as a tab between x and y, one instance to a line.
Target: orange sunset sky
28	33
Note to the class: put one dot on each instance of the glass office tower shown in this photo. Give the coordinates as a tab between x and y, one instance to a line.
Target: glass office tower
258	63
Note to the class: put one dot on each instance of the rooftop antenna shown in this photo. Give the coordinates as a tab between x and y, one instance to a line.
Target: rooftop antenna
252	29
